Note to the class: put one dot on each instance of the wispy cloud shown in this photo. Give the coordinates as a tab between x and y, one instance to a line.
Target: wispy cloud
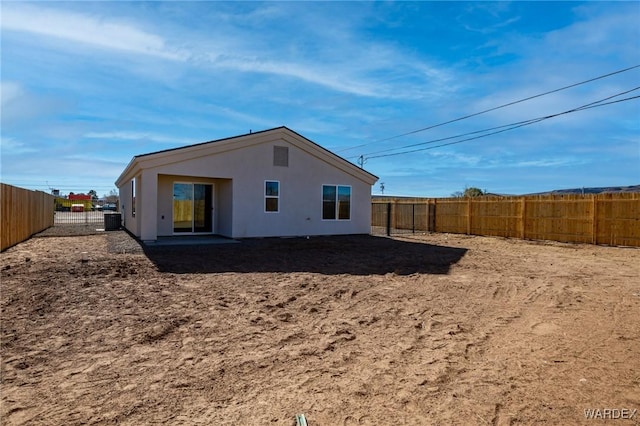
20	105
549	162
601	32
586	48
239	116
340	60
487	18
10	145
308	73
9	91
85	29
139	136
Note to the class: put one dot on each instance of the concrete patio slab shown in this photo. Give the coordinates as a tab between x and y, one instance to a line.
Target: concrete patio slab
190	240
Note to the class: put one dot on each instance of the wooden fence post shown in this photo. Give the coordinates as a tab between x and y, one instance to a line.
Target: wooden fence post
594	227
431	216
523	218
413	218
469	216
388	219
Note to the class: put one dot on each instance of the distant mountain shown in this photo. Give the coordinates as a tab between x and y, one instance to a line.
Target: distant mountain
632	188
602	190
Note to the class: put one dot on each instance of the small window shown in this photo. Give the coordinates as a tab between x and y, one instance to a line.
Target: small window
336	202
328	202
272	196
344	202
281	156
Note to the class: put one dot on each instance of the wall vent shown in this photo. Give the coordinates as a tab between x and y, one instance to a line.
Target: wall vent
281	156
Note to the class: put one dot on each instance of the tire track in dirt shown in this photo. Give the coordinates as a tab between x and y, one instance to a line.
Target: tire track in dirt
503	336
554	342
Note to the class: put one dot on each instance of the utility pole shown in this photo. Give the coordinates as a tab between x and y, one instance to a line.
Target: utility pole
361	161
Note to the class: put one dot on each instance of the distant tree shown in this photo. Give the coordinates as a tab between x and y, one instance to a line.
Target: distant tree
473	192
469	192
112	196
94	195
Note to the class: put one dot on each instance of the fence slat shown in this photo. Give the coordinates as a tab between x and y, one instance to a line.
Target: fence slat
612	219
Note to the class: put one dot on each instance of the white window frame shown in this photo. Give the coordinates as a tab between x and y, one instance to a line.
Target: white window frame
266	197
133	197
193	183
337	211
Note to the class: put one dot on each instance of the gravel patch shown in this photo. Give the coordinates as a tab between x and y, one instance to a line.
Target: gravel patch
123	242
71	230
117	241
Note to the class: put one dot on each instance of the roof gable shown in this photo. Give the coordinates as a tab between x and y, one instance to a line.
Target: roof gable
186	153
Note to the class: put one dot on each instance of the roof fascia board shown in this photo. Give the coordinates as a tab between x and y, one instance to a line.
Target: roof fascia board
329	157
132	169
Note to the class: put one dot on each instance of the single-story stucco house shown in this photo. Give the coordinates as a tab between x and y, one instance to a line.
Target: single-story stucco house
272	183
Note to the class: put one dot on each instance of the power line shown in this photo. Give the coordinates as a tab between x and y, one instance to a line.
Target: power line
526	123
518	124
494	108
529	122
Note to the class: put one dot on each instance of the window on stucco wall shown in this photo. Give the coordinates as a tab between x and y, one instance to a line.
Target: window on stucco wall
336	202
271	196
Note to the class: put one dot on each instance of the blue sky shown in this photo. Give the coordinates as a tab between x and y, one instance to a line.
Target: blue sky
86	86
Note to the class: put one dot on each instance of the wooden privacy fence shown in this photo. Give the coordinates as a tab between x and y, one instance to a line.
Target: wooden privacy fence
24	213
612	219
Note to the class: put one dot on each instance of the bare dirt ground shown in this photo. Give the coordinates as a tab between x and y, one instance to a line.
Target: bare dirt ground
433	329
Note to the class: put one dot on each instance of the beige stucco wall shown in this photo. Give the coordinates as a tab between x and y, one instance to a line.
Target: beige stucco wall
239	176
130	220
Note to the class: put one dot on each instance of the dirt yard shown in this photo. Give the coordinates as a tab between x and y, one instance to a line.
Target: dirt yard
433	329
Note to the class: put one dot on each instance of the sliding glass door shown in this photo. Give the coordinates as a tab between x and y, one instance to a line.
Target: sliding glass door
192	208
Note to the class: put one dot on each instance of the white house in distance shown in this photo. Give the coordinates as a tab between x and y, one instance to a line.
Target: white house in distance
272	183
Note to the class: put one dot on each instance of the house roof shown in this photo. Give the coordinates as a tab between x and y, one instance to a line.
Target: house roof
168	155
